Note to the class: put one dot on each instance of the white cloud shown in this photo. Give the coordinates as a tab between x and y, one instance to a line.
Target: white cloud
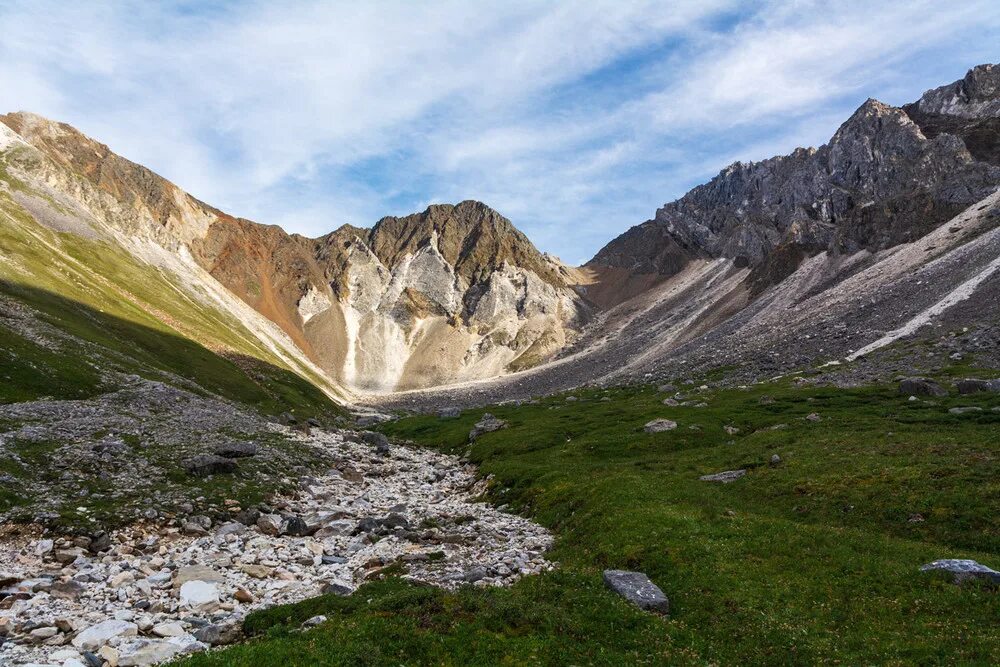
794	57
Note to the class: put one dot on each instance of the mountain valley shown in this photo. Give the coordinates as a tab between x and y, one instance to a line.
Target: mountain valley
425	441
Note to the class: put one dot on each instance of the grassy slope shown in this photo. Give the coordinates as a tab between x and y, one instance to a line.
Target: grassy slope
98	309
814	560
98	293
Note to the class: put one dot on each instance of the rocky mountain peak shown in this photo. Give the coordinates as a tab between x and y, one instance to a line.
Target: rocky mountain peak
875	120
887	176
977	95
475	239
146	194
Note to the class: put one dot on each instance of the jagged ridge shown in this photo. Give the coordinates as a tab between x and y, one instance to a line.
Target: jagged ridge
880	181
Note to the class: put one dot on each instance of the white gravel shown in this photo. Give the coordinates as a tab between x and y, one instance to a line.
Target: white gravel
162	585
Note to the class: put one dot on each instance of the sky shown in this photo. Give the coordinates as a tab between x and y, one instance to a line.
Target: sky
576	120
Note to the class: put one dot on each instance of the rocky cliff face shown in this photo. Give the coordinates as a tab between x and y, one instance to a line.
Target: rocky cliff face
880	181
968	109
975	96
453	293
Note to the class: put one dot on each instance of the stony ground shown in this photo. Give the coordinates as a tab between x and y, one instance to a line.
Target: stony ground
153	591
144	451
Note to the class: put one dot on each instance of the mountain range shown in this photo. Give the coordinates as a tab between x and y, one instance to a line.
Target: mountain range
827	255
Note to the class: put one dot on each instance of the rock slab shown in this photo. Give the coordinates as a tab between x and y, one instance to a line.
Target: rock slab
660	425
920	387
963	570
727	476
637	589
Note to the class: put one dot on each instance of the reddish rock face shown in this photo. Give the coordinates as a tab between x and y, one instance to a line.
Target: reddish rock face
452	293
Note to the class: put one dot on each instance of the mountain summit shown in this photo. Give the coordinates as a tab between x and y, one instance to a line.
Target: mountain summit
884	178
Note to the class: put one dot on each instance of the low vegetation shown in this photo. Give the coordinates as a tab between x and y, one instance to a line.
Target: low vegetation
814	558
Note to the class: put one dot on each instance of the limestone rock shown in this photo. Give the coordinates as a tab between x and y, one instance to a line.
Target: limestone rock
487	424
725	477
660	425
963	570
637	589
96	636
199	595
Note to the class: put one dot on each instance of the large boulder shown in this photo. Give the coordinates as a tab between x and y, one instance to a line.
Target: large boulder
487	424
920	387
96	636
637	589
962	570
199	595
204	465
660	425
973	386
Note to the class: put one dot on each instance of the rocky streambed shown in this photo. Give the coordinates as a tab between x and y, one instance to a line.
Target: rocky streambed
152	592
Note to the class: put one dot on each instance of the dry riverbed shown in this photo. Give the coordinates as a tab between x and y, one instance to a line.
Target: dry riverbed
154	591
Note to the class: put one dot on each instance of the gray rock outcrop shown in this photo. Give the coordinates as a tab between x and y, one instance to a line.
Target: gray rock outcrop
963	570
920	387
637	589
880	181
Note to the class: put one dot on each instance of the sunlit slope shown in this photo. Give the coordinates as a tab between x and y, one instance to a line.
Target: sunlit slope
78	307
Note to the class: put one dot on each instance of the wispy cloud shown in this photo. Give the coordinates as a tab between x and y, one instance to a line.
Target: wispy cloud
574	119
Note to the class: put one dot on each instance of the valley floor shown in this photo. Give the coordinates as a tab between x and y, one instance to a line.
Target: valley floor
813	556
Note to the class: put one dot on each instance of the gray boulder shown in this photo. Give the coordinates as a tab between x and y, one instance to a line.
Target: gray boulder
920	387
450	413
727	476
660	425
487	424
204	465
965	410
963	570
637	589
973	386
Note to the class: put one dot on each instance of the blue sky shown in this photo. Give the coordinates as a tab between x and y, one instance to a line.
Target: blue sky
575	120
